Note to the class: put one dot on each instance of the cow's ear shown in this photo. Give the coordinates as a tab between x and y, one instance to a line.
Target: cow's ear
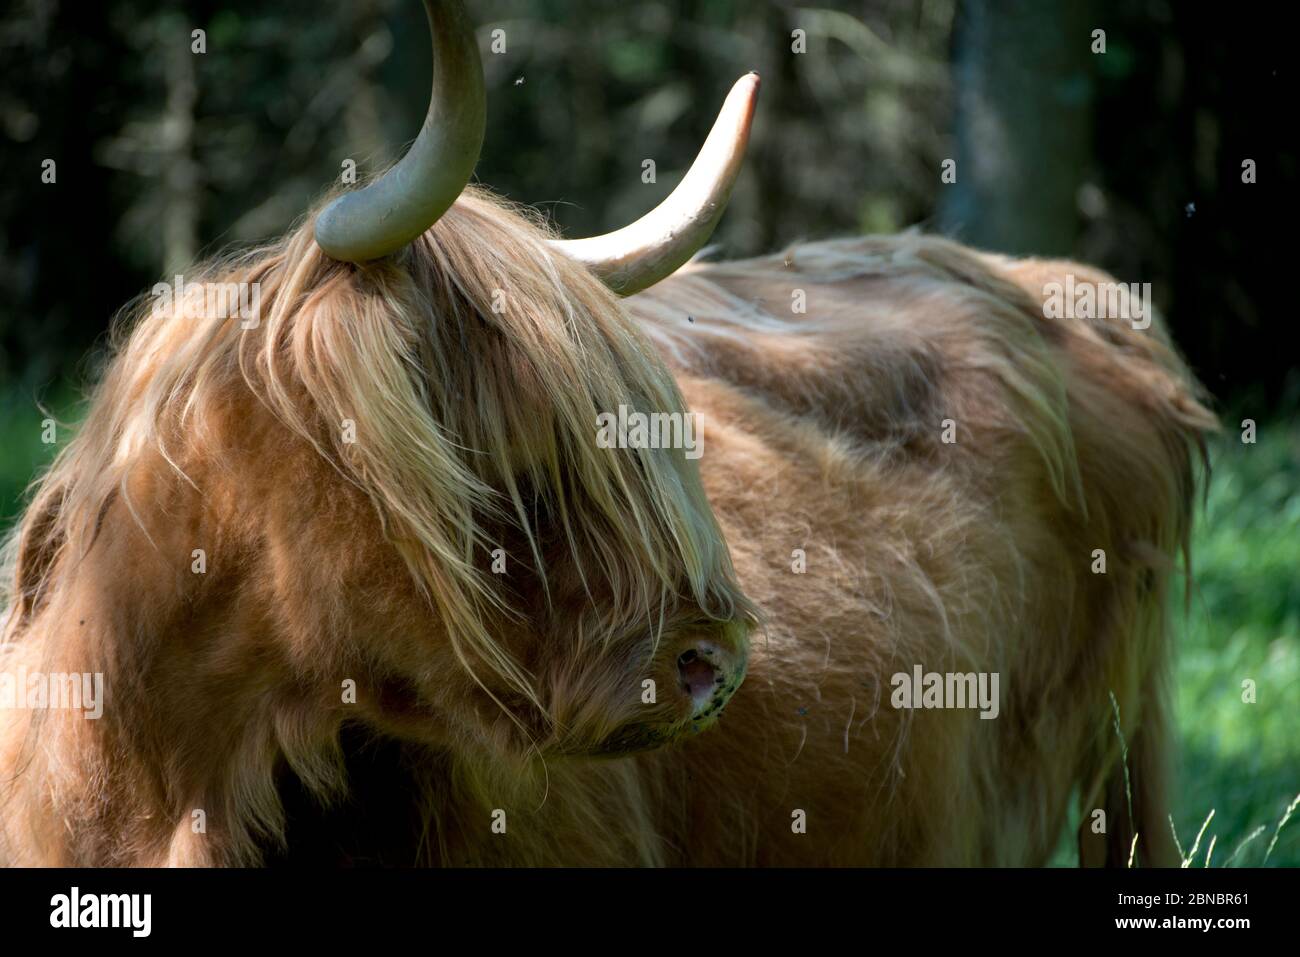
40	538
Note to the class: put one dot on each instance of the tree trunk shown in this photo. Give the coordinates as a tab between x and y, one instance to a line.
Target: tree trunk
1023	85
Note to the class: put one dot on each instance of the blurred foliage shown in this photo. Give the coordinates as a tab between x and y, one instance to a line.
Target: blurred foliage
1130	159
164	155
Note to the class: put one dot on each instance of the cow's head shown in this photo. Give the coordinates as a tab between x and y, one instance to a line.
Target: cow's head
585	589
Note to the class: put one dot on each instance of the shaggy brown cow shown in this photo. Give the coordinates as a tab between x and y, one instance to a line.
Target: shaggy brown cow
363	583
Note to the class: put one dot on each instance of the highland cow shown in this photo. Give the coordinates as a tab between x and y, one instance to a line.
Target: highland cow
363	585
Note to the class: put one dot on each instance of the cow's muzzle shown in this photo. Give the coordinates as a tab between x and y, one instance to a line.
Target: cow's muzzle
695	679
710	675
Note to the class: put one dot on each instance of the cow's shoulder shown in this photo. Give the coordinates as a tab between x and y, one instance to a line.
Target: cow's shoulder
881	338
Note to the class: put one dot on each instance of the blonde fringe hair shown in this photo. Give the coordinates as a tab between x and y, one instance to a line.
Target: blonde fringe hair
473	366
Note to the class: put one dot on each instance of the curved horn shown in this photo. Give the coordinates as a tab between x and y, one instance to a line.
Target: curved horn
656	245
408	199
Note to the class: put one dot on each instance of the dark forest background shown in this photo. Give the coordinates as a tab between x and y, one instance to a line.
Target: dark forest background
1131	159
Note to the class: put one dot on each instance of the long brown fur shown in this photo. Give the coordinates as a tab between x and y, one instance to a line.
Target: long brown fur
468	372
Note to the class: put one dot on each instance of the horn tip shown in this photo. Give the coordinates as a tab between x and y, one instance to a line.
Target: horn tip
745	90
744	94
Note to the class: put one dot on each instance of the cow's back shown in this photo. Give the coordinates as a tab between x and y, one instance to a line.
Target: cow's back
916	467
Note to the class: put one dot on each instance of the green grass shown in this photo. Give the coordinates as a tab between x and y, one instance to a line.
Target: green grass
1238	760
1235	800
1241	760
